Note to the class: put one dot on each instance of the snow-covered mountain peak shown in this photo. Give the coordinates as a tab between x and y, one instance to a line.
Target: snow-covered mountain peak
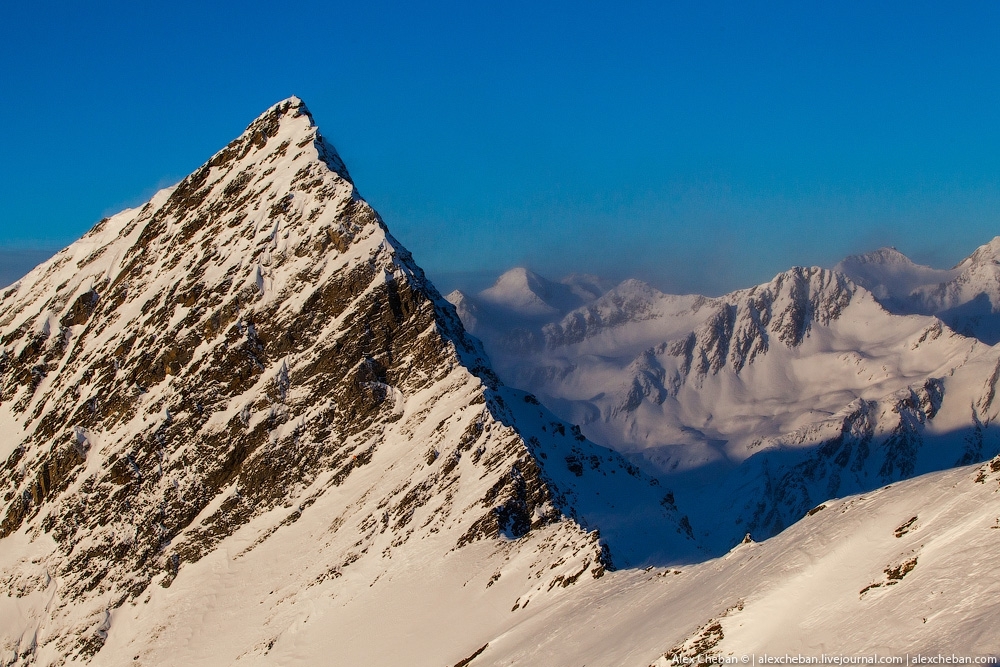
887	255
289	117
813	280
793	301
288	113
890	275
635	288
251	349
966	297
520	290
291	124
746	323
515	310
522	293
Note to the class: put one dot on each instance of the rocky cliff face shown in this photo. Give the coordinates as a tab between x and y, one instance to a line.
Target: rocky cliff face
247	343
744	325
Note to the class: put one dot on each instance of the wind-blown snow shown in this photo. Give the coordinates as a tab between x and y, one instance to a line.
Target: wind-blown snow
905	569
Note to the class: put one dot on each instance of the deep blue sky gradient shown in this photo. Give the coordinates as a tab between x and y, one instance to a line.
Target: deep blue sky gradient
702	145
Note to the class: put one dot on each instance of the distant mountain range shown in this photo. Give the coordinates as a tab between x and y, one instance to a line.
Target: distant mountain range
816	384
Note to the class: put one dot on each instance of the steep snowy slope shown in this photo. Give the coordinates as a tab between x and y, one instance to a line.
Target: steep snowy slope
910	568
242	407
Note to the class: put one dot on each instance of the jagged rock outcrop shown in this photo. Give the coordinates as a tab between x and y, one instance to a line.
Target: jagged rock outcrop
744	325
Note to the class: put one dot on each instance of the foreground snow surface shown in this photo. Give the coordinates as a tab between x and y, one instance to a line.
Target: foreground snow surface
803	591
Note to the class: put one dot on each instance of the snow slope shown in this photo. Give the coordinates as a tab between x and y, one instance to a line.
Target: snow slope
905	569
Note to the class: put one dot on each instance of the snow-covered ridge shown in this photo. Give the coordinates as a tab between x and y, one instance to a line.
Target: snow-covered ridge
784	310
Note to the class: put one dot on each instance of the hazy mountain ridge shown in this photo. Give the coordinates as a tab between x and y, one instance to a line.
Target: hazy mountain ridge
889	274
966	297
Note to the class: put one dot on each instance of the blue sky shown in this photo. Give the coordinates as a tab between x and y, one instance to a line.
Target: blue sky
701	145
